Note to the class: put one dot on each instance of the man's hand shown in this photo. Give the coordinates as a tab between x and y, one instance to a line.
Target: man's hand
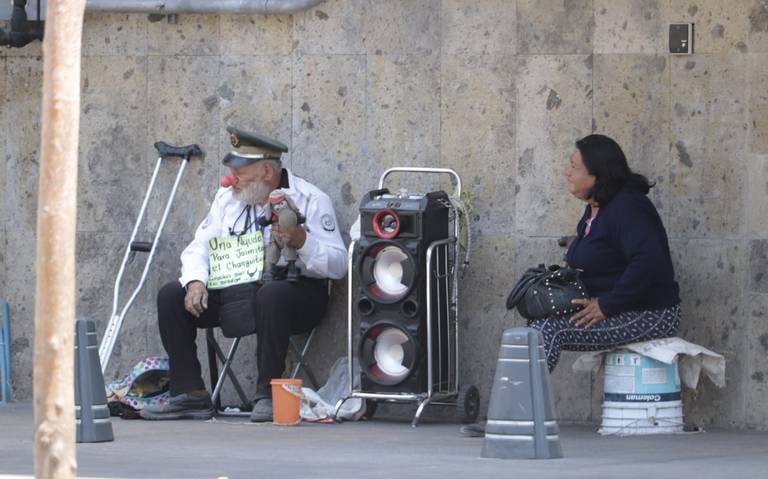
590	315
196	300
294	236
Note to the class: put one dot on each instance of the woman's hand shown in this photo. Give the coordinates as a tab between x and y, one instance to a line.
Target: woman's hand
590	315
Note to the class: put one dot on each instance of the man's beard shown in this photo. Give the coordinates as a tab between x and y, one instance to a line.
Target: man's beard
255	193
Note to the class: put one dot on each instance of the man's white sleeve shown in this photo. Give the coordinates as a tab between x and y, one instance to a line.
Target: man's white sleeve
194	258
323	253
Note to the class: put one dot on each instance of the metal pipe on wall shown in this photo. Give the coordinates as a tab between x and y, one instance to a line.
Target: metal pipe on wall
245	7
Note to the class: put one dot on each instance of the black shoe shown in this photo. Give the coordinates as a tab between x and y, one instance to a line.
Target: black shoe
181	406
473	430
262	410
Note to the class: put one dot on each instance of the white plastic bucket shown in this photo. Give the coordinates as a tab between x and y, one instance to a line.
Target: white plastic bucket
641	395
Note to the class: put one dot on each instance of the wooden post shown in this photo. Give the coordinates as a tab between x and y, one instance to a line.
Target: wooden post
56	224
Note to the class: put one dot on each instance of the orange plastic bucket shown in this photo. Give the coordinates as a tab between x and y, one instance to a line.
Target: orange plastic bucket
286	401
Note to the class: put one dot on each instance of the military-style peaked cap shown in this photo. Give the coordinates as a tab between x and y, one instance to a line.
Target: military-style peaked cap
251	147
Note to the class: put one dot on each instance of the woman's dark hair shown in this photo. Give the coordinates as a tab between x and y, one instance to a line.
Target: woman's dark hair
604	160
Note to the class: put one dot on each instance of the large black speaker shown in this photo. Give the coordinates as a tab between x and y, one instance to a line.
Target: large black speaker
390	291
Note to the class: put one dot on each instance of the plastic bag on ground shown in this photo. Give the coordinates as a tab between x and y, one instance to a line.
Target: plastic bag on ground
320	404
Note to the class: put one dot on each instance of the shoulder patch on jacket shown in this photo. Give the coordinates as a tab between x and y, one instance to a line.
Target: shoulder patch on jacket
327	221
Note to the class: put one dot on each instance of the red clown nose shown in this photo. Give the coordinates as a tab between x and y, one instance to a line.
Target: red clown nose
227	181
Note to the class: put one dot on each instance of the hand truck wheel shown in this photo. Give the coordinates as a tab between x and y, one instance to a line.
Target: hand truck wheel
468	404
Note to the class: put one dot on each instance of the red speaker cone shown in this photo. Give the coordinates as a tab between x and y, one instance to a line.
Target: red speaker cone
386	224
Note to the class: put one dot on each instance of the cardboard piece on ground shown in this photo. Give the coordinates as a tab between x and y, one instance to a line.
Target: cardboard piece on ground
693	359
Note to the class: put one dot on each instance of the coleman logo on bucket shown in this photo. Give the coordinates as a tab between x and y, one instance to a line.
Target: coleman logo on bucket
675	396
643	397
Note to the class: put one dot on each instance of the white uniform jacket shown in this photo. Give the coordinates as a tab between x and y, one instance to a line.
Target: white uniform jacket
322	256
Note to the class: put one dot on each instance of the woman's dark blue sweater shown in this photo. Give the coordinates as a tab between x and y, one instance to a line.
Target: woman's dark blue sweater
625	257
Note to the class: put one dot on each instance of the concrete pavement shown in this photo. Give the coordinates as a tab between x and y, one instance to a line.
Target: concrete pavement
377	449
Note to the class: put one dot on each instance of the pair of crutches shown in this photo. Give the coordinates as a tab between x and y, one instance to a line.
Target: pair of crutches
165	152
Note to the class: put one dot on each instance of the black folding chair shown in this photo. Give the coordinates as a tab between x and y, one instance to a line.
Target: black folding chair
298	343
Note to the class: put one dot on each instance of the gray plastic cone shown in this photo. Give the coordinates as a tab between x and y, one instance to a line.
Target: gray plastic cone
91	411
521	415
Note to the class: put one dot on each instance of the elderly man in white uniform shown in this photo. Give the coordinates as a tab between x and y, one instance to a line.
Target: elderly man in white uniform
275	309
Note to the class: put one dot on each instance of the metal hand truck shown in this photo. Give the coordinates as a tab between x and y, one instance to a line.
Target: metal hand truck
165	152
442	278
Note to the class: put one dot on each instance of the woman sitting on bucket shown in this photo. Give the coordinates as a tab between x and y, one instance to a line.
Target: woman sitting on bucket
621	247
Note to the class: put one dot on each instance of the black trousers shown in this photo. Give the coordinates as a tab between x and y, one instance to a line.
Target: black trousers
282	309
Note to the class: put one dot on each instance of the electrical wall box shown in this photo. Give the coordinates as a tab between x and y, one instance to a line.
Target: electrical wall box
681	38
6	8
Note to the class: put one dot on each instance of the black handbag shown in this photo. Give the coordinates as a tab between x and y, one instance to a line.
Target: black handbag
544	292
237	313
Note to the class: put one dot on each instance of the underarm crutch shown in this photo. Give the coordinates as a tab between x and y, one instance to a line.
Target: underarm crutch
165	152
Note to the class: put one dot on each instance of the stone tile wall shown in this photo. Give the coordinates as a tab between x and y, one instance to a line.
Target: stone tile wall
496	89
